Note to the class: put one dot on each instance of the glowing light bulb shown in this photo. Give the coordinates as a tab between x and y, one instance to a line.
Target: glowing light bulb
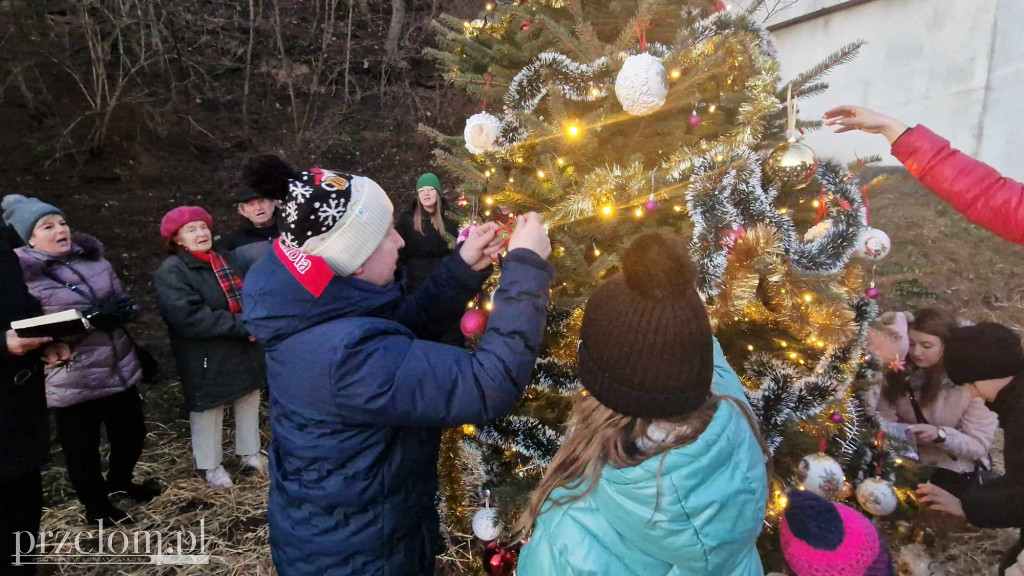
573	131
489	305
489	6
784	344
468	429
595	92
560	161
511	180
750	347
783	210
607	210
487	213
677	208
540	174
820	343
719	157
816	203
639	212
793	355
519	159
489	201
712	108
783	501
597	251
675	74
808	297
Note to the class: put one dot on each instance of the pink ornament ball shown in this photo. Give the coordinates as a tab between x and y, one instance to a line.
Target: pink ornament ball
473	323
837	417
873	293
694	120
650	205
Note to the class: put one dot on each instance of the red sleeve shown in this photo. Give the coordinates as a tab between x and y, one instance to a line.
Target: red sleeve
971	187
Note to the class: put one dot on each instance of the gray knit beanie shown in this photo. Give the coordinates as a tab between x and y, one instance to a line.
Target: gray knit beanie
22	213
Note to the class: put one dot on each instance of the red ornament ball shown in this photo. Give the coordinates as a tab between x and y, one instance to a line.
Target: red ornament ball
719	5
873	293
500	561
473	323
525	26
694	120
837	417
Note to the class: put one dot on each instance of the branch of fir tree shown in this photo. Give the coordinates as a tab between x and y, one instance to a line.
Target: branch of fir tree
458	166
559	31
439	137
810	90
841	56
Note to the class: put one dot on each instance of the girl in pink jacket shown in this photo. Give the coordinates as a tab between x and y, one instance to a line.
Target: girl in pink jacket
953	430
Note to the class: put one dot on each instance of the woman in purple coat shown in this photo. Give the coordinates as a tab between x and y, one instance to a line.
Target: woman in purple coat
97	385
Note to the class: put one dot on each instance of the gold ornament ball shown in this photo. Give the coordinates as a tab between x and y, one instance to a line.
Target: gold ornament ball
791	165
846	491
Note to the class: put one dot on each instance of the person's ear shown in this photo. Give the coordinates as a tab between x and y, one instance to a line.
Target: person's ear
241	209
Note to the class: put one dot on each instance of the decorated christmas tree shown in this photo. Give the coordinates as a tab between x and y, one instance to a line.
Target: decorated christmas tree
616	118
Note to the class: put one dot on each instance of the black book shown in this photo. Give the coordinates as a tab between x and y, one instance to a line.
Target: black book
56	325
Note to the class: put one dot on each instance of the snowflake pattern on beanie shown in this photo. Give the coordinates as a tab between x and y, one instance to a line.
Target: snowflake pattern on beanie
315	204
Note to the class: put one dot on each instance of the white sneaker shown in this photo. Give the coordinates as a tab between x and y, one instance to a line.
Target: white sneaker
256	462
219	478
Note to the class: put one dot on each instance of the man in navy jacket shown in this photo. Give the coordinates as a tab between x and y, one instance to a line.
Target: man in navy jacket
358	394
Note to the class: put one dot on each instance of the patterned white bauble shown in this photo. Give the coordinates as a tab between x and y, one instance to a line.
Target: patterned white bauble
817	231
486	525
872	244
481	133
821	475
642	84
877	496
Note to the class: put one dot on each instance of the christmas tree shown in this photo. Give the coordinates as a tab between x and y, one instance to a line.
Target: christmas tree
618	118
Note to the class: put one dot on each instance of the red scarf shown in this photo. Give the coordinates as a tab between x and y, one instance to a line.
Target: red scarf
229	282
311	271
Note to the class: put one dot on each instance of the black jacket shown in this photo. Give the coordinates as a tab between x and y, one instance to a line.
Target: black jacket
216	361
999	503
424	251
248	233
24	431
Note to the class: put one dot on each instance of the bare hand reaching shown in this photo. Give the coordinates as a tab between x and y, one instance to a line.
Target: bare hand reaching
850	118
482	246
530	234
18	346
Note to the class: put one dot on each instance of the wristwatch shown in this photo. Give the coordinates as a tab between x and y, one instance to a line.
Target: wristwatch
941	432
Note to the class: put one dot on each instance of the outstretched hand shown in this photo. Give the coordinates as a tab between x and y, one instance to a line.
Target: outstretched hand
938	499
850	118
530	234
482	246
18	346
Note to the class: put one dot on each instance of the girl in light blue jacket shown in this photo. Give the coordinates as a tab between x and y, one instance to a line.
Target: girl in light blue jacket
663	471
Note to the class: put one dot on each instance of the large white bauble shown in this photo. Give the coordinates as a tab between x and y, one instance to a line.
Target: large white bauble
821	475
642	84
877	496
486	525
872	244
817	231
481	133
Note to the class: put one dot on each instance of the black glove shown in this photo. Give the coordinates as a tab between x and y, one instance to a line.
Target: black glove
111	314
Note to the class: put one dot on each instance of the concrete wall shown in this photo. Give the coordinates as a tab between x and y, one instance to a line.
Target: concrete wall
956	66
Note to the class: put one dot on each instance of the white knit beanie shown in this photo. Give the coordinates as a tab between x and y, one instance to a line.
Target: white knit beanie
349	216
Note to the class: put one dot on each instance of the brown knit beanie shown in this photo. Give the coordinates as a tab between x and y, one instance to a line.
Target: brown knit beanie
985	351
646	343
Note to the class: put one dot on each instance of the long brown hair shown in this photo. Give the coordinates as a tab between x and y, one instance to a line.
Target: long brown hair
601	436
935	322
436	219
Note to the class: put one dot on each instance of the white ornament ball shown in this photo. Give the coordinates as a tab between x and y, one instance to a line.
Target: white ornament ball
817	231
642	84
873	244
877	496
481	133
821	475
486	525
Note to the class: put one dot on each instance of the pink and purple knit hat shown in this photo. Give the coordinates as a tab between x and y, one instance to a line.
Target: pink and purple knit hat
821	538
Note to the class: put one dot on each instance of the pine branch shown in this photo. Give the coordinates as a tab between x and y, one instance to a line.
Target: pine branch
841	56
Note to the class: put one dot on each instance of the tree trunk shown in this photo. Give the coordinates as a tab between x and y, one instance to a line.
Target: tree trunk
395	31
